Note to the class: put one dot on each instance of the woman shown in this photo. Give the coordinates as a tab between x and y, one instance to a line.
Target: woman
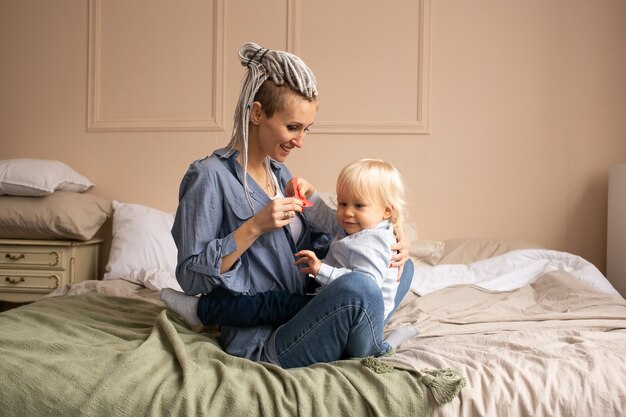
235	231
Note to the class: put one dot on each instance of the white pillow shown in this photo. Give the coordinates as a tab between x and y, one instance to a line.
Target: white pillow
37	177
142	249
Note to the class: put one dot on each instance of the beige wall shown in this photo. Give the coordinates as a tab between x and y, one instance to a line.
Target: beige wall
523	103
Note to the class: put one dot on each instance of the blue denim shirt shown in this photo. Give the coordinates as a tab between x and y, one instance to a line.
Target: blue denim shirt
212	205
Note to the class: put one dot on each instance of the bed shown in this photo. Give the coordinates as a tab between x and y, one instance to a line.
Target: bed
555	346
505	328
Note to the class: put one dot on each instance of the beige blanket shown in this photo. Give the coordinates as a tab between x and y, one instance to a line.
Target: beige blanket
556	347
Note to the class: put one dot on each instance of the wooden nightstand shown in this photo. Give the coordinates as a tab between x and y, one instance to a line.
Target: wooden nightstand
29	269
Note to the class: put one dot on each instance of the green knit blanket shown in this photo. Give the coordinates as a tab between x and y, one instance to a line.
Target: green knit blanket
95	355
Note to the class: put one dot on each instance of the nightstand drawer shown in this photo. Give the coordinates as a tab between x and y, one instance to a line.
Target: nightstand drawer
17	281
24	257
29	269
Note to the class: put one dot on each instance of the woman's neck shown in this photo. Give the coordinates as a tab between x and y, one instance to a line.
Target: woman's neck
257	170
255	163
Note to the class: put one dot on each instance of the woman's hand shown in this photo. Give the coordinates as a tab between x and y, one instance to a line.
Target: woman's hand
400	250
311	264
278	213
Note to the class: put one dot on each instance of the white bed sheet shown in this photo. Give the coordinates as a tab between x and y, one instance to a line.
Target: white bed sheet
509	271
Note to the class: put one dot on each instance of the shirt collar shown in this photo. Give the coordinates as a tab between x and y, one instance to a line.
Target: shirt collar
231	154
385	224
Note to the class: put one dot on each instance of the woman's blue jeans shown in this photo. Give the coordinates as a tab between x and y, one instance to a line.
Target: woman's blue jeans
344	320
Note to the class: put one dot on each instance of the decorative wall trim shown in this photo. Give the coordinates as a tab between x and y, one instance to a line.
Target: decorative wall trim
97	123
419	125
293	13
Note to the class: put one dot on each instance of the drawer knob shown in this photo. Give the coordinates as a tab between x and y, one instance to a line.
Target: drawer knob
14	281
14	258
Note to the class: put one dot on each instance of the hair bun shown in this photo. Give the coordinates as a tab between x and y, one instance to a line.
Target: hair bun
248	52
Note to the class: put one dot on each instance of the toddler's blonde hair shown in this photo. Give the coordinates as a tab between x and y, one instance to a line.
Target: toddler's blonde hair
378	181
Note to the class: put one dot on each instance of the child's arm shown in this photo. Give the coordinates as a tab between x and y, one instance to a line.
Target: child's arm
369	253
321	216
322	272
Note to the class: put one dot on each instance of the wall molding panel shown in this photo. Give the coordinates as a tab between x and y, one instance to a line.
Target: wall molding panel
351	118
178	89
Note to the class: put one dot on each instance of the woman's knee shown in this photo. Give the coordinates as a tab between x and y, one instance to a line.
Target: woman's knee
358	287
407	273
403	287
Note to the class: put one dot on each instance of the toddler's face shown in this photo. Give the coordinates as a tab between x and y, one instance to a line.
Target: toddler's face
355	214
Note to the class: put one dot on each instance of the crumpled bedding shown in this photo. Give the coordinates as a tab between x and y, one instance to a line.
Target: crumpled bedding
508	271
115	287
554	347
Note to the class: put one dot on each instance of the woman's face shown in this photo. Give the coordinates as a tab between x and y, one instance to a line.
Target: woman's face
286	129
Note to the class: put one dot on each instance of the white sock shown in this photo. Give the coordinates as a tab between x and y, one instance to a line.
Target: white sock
400	335
186	306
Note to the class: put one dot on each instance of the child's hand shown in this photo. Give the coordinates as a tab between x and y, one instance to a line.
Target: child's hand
310	263
304	187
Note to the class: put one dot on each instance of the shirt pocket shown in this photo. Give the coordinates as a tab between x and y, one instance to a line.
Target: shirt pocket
241	209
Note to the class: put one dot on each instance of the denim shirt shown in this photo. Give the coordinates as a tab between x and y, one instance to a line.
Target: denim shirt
212	205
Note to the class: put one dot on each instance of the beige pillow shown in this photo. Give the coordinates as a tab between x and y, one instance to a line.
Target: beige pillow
426	252
60	215
464	251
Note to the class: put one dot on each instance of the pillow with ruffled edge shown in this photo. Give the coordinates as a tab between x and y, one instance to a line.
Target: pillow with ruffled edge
60	215
37	177
142	248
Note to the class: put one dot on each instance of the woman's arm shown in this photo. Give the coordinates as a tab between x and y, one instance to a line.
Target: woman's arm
278	213
214	226
197	228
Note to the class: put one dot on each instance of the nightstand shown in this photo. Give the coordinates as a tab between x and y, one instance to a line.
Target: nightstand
30	269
